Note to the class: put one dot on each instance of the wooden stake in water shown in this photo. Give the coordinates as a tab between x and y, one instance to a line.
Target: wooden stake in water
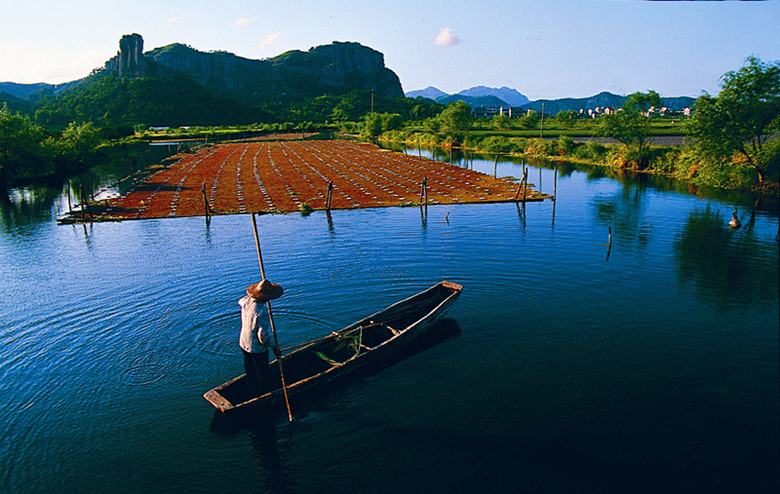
85	203
525	184
329	195
424	192
205	200
520	187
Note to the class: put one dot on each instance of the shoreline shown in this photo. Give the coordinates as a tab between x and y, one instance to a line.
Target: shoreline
766	189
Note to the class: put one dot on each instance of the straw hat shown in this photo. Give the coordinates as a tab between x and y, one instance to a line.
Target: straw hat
264	291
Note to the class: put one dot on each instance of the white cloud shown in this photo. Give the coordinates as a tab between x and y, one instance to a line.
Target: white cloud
268	39
170	21
446	37
245	21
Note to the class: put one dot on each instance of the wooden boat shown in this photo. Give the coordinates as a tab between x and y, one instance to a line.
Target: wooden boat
343	352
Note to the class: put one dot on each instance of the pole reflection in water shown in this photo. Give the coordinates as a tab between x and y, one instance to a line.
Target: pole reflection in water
207	235
540	181
269	447
330	222
520	214
555	195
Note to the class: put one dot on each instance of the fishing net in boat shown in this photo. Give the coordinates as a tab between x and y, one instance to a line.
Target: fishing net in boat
346	346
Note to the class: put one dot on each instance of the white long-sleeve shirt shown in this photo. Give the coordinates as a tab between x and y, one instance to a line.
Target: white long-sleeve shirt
255	337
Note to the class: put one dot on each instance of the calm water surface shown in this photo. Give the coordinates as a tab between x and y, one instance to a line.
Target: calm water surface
648	366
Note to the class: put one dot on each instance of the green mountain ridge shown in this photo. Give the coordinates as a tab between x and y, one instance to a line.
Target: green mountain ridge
178	85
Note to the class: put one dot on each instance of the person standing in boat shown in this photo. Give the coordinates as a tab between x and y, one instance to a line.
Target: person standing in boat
255	339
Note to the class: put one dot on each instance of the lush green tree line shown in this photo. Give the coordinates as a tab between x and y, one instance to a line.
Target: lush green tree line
27	151
176	100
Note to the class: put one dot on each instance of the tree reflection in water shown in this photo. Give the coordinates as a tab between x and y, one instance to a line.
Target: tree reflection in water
729	267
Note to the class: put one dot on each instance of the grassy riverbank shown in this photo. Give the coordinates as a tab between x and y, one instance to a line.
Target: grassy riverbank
680	162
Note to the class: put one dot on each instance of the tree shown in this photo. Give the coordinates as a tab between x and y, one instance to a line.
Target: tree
391	121
21	151
743	118
432	125
372	125
500	121
630	125
456	120
566	118
76	147
531	120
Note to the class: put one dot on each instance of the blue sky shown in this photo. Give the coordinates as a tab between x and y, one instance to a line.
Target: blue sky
542	48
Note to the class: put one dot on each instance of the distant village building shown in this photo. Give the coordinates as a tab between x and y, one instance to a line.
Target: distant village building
488	111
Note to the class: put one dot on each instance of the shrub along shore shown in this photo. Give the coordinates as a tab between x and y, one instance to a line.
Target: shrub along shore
680	162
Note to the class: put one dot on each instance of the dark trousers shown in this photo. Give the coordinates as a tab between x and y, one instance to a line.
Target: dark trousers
256	367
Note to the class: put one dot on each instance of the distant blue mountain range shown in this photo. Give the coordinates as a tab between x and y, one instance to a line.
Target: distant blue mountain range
475	96
24	91
504	96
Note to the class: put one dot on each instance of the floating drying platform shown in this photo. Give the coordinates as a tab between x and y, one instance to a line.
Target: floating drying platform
281	177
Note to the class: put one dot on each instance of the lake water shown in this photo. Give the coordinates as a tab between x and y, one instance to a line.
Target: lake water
648	366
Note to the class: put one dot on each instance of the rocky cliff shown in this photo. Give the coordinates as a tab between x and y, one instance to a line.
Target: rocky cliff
129	61
335	68
343	65
178	85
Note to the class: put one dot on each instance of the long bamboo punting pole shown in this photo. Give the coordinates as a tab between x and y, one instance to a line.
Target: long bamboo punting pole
271	320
